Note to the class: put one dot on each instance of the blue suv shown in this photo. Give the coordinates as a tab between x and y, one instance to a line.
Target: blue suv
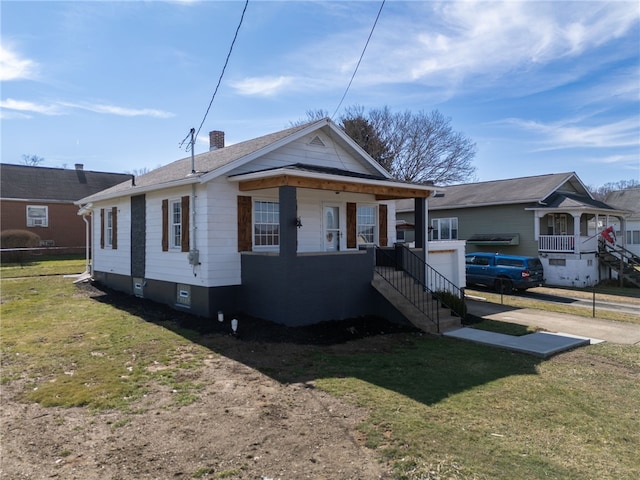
503	272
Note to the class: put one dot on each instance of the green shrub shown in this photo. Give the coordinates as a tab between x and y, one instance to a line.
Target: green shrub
17	239
452	301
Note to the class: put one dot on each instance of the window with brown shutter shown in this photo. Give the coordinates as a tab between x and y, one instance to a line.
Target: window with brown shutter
352	216
245	243
382	226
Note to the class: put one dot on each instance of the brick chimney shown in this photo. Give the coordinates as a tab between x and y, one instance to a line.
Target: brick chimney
216	140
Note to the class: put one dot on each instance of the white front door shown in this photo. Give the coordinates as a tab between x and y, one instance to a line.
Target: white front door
331	228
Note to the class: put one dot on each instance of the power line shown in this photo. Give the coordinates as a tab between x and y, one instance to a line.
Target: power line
360	60
226	62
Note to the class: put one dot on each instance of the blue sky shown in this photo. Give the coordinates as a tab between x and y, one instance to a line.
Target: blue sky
541	87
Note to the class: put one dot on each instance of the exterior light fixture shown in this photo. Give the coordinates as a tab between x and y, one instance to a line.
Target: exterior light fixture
298	222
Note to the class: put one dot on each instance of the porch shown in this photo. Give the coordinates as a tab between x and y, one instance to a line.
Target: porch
567	244
308	288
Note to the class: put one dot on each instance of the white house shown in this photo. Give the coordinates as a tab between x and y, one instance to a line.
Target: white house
281	227
627	200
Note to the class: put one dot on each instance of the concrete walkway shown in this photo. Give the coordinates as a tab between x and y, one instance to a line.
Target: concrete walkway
540	344
562	323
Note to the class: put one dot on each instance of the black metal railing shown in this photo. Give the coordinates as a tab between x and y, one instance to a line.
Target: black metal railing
422	285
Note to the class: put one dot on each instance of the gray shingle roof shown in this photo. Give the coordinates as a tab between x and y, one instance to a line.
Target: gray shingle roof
203	162
500	192
566	200
54	184
628	199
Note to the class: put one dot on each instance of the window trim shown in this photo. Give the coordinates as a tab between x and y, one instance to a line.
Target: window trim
436	230
168	238
254	235
374	226
175	237
31	219
108	229
109	240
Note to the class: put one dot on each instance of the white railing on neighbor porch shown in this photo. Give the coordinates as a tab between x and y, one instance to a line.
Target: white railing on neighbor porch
567	243
556	243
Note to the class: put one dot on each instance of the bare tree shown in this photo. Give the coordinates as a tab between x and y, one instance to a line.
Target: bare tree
421	147
312	116
367	135
32	160
601	192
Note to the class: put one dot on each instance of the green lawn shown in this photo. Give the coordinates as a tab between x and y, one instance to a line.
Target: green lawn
439	408
62	265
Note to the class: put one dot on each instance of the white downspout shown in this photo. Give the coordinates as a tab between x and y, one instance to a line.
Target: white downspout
87	268
86	275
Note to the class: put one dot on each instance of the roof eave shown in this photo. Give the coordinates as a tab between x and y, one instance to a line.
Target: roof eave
286	172
134	190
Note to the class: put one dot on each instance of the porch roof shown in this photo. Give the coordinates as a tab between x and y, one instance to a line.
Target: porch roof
322	178
566	202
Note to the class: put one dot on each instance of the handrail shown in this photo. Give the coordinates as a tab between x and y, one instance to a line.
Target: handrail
628	263
421	283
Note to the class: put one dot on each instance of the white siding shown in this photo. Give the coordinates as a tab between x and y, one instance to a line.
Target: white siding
173	265
301	151
310	211
577	271
221	224
106	259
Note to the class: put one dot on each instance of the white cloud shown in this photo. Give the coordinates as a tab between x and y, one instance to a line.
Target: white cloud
574	134
64	108
14	67
120	111
445	44
22	106
262	86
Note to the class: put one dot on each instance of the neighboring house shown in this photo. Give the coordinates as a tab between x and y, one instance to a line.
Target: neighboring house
280	227
41	200
628	200
553	217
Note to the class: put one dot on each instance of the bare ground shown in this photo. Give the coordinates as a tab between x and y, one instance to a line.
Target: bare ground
251	420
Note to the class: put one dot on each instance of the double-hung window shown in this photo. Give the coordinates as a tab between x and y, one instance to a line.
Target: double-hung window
37	216
366	225
444	228
266	224
176	224
108	229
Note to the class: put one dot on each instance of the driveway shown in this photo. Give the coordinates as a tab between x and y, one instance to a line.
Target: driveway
596	328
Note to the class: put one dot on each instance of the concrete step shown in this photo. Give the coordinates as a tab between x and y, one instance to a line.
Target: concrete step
414	314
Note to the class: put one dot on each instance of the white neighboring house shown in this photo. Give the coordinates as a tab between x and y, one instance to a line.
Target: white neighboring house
281	227
628	200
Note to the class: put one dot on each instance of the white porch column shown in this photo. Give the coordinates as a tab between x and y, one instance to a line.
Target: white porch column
576	232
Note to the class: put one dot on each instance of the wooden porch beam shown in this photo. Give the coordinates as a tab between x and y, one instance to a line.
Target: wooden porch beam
382	192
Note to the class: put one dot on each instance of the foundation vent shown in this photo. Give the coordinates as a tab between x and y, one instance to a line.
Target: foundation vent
183	295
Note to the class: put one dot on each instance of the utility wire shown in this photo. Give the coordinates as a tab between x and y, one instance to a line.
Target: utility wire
226	62
360	60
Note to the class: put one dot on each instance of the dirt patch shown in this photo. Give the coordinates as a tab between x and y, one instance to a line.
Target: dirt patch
252	420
